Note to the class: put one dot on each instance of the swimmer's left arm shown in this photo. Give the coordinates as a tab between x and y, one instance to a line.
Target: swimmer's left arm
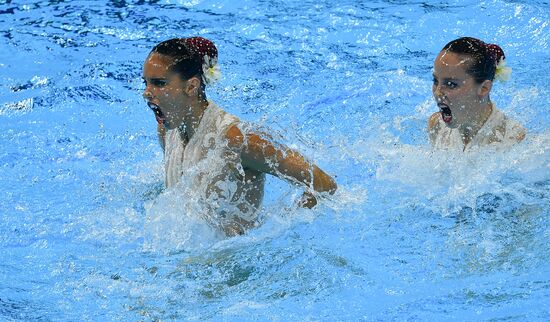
261	155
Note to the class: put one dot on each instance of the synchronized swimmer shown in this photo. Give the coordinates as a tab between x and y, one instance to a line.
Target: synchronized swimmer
226	164
463	76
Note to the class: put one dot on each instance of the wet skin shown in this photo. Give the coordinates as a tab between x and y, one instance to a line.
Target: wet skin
165	91
463	102
457	93
176	102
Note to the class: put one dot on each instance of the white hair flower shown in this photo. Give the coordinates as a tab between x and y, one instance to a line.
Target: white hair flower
503	72
211	70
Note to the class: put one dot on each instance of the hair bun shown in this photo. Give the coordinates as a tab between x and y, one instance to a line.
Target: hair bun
202	47
208	54
496	52
502	72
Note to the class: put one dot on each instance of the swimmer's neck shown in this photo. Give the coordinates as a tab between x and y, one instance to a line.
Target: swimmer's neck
468	130
192	119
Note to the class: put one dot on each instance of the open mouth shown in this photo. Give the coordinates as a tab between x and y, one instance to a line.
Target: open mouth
446	113
158	113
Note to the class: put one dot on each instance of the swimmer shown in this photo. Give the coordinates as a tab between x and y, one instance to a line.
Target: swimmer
463	77
210	148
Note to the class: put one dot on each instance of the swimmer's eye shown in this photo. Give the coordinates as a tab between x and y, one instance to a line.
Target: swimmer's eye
434	81
156	82
450	84
159	82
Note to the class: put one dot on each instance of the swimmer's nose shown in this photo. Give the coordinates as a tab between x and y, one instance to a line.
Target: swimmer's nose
439	96
147	94
436	90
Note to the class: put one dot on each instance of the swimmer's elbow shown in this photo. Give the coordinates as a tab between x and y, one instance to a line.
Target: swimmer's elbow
332	187
322	182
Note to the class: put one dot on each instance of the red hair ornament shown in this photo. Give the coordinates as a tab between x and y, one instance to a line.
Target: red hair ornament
502	72
208	53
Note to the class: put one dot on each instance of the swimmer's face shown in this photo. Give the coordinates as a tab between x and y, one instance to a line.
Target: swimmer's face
166	93
456	92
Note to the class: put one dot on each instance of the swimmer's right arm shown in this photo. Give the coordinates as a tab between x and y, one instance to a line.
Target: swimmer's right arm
161	132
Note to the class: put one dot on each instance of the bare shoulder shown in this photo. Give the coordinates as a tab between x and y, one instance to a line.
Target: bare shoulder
255	151
236	138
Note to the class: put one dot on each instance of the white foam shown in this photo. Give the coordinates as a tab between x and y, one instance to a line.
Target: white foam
175	222
449	177
22	106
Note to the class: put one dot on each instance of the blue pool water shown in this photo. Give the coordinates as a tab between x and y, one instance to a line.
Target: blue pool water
86	232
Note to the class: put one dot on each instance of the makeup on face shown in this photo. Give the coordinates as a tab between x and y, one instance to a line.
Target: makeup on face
454	90
164	91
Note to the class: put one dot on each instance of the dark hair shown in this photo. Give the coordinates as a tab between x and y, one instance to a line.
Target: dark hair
186	62
485	56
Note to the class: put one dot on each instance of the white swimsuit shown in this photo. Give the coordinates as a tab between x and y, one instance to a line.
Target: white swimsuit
207	167
498	131
207	142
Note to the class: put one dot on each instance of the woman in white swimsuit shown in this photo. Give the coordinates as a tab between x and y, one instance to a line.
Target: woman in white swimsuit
208	148
463	76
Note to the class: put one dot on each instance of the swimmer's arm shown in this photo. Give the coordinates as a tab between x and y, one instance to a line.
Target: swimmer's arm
432	126
161	132
261	155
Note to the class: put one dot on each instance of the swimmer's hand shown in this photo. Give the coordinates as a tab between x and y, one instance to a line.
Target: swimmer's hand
308	200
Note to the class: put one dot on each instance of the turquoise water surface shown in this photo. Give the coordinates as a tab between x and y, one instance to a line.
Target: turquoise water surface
87	233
